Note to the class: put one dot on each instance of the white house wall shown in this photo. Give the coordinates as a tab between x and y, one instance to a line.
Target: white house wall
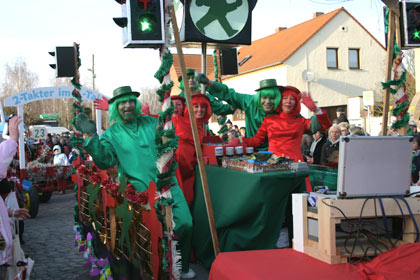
332	87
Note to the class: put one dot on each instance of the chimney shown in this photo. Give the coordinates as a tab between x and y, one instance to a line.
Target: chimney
317	14
278	29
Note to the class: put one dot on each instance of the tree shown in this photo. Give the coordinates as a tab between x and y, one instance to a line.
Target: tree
18	78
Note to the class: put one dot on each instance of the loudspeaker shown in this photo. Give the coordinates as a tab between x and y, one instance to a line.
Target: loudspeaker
229	61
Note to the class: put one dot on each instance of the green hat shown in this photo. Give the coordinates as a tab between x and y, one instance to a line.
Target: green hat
189	73
122	91
268	83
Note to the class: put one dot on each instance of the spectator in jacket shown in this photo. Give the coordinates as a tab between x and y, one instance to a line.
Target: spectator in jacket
341	115
316	147
329	153
59	157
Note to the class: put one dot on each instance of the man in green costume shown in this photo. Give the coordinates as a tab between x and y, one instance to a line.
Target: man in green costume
256	107
264	103
129	143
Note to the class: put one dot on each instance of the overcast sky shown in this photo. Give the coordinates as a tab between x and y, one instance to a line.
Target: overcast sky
29	29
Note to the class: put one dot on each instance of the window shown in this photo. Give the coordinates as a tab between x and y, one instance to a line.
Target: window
354	59
332	58
239	115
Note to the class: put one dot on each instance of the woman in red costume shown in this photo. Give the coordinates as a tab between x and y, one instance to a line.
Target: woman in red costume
285	129
185	154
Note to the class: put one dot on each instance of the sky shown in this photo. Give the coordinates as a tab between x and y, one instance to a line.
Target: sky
30	29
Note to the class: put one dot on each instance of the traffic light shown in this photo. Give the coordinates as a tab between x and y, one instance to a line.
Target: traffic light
411	23
64	62
216	23
142	22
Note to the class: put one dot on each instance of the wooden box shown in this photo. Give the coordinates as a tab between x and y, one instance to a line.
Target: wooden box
331	247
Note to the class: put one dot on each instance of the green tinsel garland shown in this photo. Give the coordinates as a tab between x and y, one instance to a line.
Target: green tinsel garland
216	69
163	116
165	66
398	82
400	108
163	89
168	172
75	139
403	121
168	133
166	147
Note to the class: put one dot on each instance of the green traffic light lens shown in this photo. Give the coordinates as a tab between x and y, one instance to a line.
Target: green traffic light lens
146	23
416	34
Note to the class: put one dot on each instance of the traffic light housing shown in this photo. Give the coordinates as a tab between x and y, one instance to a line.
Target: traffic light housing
410	23
142	22
65	63
217	23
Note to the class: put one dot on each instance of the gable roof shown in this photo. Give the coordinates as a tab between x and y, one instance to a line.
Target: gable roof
283	44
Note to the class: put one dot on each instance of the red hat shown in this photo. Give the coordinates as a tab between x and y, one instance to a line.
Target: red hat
295	93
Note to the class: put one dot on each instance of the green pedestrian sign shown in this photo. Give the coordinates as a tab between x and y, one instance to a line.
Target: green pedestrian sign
219	20
223	22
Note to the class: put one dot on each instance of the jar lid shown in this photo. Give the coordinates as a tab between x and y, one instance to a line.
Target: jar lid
218	151
249	150
229	151
239	150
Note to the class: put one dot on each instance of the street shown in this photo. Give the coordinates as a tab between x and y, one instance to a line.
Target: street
49	241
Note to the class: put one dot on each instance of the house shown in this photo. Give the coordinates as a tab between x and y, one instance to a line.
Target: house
332	55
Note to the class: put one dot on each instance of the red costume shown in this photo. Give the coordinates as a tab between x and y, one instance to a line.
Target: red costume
285	130
185	154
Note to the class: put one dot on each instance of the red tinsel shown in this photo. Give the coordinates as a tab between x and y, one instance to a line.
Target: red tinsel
111	187
134	196
95	178
83	170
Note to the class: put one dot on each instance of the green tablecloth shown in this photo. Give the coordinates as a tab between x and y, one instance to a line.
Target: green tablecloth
249	209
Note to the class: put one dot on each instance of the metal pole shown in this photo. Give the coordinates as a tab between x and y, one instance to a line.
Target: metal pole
203	63
94	113
21	139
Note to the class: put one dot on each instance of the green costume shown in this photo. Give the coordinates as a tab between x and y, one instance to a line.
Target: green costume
254	115
131	146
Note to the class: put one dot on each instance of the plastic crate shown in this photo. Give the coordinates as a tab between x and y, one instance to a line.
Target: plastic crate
323	176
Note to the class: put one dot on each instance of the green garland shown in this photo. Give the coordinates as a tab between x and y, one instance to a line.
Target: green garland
400	110
216	69
77	138
165	66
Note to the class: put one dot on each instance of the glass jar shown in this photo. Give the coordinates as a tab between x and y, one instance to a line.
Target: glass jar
218	151
230	151
249	150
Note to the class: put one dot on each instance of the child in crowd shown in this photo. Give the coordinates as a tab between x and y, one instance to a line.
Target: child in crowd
59	157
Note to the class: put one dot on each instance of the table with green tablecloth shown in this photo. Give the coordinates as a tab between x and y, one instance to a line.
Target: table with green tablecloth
249	209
